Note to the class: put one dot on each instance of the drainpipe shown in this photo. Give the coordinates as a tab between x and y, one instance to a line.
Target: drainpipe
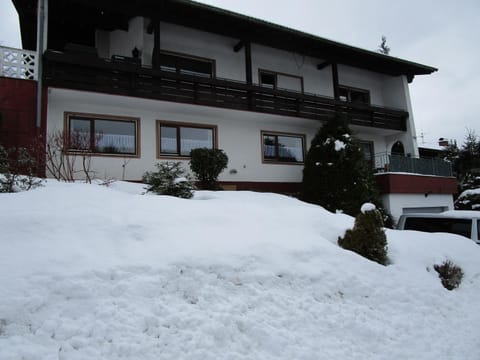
41	5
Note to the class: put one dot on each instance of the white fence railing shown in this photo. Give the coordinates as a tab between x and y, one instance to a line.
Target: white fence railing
18	64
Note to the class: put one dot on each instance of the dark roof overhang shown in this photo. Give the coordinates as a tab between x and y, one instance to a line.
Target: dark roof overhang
114	14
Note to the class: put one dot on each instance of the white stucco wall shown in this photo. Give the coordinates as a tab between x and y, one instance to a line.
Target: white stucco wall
239	133
397	204
363	79
384	90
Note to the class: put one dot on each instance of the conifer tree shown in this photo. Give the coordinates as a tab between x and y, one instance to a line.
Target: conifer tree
367	238
383	48
336	175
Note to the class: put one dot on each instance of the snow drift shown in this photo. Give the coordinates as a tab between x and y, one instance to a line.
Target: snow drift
89	271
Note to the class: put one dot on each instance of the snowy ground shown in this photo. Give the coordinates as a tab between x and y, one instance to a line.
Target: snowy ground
95	272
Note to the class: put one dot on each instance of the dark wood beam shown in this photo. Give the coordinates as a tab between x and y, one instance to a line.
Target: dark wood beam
323	65
336	93
239	46
248	62
156	44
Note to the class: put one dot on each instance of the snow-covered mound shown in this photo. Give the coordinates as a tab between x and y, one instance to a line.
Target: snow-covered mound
95	272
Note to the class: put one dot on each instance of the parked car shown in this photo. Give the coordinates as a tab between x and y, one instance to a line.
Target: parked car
464	223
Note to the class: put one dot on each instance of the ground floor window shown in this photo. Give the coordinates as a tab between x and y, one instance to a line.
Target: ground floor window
102	134
367	147
178	139
283	148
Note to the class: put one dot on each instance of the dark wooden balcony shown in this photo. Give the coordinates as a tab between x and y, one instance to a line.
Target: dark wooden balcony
90	73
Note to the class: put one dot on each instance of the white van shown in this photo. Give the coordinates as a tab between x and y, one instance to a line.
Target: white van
460	222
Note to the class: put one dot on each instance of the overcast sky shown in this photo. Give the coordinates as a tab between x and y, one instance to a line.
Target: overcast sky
441	33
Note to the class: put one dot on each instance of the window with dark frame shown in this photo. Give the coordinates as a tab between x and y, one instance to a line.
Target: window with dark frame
102	135
186	65
181	139
274	80
268	79
367	147
283	148
354	95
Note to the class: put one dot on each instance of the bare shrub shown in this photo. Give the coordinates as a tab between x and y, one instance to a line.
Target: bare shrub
61	163
18	168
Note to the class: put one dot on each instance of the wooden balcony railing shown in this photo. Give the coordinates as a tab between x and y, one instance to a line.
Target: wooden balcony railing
127	78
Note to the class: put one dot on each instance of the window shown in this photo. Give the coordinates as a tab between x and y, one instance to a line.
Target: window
354	95
102	134
478	230
268	80
367	147
186	65
283	148
274	80
179	139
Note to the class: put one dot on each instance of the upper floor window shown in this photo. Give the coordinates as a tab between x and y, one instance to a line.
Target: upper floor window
283	148
102	134
187	65
354	95
275	80
178	139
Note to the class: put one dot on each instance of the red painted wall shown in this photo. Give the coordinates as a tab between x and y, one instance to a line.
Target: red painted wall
18	106
392	183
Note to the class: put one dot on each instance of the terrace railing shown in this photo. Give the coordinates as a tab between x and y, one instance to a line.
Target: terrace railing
91	73
18	64
385	162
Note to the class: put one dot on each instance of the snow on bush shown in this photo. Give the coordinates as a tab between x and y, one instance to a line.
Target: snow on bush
367	207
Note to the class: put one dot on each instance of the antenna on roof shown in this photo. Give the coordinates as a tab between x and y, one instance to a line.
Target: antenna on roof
422	136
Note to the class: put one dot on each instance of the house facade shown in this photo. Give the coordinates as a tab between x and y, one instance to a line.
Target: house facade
136	84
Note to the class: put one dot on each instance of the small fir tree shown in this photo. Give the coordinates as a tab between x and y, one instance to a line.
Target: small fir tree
336	175
367	238
383	48
207	164
169	179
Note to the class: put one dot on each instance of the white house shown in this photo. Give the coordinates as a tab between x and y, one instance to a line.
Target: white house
147	81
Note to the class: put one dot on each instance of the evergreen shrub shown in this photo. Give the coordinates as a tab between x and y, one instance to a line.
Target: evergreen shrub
169	179
367	238
207	164
450	274
336	175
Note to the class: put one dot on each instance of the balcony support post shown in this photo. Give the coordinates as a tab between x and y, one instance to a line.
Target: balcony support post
248	70
156	44
336	93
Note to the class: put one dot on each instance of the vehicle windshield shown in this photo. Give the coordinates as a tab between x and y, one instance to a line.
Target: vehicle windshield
461	227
